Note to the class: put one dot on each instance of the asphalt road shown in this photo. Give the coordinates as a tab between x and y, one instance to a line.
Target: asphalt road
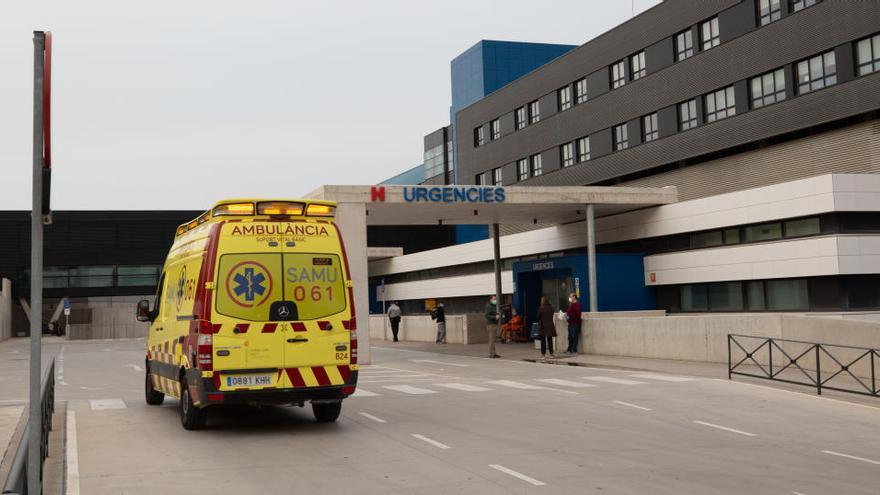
432	423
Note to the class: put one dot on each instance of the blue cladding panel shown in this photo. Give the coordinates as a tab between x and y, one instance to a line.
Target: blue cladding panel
471	233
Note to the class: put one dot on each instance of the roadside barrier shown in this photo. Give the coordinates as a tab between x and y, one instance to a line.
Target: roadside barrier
824	366
16	482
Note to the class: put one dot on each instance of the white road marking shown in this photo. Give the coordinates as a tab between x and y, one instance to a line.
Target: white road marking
439	362
62	382
798	493
72	455
407	389
464	387
89	388
397	380
359	392
104	404
663	378
135	367
515	474
565	383
108	350
374	418
526	386
15	402
618	381
725	428
435	443
627	404
853	457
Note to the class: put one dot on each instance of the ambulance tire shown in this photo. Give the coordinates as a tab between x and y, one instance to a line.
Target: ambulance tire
153	397
327	412
191	417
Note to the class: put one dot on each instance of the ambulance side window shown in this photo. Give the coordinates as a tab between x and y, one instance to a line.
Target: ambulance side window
159	292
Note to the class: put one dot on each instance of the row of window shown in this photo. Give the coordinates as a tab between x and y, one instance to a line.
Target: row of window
844	293
710	36
63	277
814	73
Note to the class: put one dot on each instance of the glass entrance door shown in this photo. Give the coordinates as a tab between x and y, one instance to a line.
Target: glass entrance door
557	291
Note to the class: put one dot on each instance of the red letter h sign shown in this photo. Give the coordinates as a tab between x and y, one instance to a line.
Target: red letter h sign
377	193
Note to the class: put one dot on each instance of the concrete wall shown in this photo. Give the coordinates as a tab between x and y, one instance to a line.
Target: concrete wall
5	309
704	337
111	318
460	329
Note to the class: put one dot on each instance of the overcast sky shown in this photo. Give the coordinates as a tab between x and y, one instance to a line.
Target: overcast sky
175	104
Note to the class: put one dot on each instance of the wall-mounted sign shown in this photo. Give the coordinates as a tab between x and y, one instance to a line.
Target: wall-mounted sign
445	194
544	265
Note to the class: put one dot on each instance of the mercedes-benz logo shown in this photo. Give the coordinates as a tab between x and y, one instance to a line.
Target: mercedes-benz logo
283	311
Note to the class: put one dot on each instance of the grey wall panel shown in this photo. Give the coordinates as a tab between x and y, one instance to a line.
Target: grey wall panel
659	55
548	105
600	143
737	20
507	123
634	131
844	56
598	83
741	95
821	27
826	105
508	174
667	119
434	139
550	160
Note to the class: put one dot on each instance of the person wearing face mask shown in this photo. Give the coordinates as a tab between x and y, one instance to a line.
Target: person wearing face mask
573	315
491	314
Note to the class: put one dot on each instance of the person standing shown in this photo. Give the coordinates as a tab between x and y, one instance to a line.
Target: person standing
491	313
439	314
394	316
548	329
573	314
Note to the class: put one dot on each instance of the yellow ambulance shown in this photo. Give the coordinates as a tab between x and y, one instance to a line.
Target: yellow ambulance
254	306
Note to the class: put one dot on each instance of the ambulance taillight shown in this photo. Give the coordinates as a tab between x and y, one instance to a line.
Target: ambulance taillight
206	346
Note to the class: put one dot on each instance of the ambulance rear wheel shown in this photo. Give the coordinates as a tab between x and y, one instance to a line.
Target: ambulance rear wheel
327	412
153	397
191	417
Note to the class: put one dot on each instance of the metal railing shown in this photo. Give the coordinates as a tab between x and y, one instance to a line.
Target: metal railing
16	482
805	363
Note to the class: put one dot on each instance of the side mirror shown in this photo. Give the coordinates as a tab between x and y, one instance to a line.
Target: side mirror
143	311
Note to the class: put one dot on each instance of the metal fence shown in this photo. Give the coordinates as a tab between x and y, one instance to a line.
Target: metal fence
823	366
16	483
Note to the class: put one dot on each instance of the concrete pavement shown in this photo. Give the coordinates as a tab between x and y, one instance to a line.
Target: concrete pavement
435	423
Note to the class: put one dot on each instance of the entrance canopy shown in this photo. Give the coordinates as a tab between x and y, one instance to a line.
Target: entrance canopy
485	205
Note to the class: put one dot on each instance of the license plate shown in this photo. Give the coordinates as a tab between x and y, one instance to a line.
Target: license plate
248	380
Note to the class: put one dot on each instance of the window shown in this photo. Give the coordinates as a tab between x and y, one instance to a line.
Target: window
687	115
563	97
481	179
495	127
731	236
709	34
684	45
650	130
763	232
580	91
534	111
706	239
694	298
802	4
618	75
868	55
768	88
566	154
755	296
637	65
787	295
522	169
769	11
91	276
817	72
137	276
621	137
520	117
802	227
726	296
583	145
479	138
536	164
720	104
496	176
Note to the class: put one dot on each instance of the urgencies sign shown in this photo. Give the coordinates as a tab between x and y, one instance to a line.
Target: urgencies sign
447	194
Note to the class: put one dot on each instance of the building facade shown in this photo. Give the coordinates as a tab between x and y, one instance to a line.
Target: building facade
762	113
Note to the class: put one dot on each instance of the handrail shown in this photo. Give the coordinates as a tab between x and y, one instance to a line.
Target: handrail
16	482
800	361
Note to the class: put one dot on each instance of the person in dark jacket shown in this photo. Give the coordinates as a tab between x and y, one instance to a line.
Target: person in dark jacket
439	315
548	329
573	315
